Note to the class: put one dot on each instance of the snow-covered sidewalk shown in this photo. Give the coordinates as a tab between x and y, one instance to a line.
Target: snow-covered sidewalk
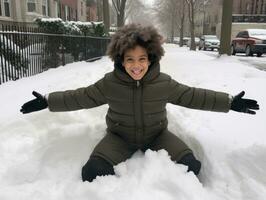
42	153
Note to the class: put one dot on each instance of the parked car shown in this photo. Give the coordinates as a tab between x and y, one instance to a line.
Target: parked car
249	41
209	42
185	40
176	40
197	40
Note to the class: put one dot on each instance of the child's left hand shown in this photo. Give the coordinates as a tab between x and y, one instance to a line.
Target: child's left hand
244	105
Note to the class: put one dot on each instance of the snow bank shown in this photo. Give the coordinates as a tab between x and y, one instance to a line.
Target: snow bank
42	153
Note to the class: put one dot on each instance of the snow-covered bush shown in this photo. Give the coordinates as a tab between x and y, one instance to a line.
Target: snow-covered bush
13	63
58	45
51	26
58	26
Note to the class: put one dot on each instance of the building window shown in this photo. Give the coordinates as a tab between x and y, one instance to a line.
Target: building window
247	8
57	9
263	6
7	8
31	5
81	9
67	13
44	8
216	18
257	7
0	8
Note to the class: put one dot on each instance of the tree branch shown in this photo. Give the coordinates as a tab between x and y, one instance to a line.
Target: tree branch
115	6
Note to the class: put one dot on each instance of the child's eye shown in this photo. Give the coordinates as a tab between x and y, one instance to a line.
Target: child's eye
143	59
129	59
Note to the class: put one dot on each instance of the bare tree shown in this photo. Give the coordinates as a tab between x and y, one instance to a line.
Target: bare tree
133	15
194	7
106	15
226	28
181	16
191	11
171	15
162	10
119	6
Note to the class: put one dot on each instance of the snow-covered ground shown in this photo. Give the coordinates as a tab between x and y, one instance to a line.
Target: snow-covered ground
42	153
258	62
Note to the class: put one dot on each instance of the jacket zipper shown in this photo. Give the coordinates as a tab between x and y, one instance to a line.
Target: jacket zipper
139	110
138	83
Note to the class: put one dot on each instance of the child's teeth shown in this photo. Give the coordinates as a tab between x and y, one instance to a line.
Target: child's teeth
136	71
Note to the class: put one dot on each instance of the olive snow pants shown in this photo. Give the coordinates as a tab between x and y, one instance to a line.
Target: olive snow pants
112	150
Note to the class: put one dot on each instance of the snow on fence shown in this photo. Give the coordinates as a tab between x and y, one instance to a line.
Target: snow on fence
28	51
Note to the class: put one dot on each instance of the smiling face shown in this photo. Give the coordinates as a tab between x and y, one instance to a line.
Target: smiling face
136	62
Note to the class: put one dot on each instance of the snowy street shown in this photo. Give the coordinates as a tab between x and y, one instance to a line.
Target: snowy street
42	153
259	63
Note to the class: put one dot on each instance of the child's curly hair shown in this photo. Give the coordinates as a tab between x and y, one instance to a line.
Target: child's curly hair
131	35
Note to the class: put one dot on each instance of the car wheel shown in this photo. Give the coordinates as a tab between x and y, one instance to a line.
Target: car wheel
259	54
233	51
248	51
199	48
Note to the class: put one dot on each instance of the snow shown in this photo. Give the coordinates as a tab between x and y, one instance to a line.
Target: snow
42	153
51	19
71	22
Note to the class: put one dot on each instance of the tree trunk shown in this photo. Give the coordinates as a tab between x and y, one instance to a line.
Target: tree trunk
120	11
120	20
226	28
191	22
181	34
172	28
192	43
106	16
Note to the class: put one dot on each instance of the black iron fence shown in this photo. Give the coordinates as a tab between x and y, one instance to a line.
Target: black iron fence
27	51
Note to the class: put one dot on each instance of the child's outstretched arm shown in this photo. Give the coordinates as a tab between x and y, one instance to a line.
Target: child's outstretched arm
203	99
70	100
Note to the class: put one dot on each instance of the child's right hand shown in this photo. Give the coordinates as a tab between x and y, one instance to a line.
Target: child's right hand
39	103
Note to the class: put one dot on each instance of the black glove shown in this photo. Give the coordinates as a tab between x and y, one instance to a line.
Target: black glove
244	105
36	104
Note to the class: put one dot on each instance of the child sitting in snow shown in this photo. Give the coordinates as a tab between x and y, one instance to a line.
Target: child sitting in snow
137	93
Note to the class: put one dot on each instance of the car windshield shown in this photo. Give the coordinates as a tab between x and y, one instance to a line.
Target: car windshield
210	37
257	32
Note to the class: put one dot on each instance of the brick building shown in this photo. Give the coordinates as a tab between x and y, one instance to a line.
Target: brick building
208	21
28	10
249	6
72	10
92	12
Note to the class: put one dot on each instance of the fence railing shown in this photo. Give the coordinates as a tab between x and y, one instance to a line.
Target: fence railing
26	51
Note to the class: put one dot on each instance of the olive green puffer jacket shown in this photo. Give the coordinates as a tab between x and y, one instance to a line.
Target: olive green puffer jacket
137	109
